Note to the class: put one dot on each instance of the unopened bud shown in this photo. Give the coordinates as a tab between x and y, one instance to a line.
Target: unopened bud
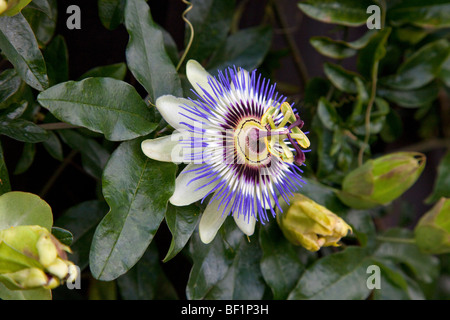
3	6
307	223
382	180
46	250
25	278
12	7
35	258
432	233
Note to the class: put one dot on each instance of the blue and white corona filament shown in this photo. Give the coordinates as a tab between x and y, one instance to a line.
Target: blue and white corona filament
243	144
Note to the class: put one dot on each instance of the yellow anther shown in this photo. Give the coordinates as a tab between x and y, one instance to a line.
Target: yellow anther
289	115
287	156
300	137
278	133
268	117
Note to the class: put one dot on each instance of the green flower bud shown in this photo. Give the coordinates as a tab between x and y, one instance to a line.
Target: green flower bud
31	257
3	6
306	223
432	232
46	250
28	278
12	7
382	180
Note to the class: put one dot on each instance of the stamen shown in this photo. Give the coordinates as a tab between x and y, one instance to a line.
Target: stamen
276	134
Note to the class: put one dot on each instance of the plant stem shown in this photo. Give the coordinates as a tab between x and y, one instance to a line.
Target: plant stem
427	145
368	112
57	126
191	37
298	60
396	240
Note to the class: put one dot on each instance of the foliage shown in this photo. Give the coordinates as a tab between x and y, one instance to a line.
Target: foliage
386	90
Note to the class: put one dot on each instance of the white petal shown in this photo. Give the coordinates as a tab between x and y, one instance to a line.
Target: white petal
243	77
173	111
212	219
247	227
198	77
186	194
161	149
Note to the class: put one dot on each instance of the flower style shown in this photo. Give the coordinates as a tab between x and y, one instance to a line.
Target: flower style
242	142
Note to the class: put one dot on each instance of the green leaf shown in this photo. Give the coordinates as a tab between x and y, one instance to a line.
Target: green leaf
340	77
146	280
182	222
26	159
137	190
372	53
81	220
57	59
243	280
245	48
5	185
361	221
22	130
14	111
410	34
326	164
328	114
442	183
64	236
316	88
211	20
280	264
332	48
362	226
103	105
93	155
420	68
19	45
323	195
338	276
146	56
42	20
377	118
210	265
339	49
10	84
410	98
170	46
424	267
444	74
116	71
393	127
53	146
111	13
22	208
35	294
429	14
350	13
46	6
395	284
